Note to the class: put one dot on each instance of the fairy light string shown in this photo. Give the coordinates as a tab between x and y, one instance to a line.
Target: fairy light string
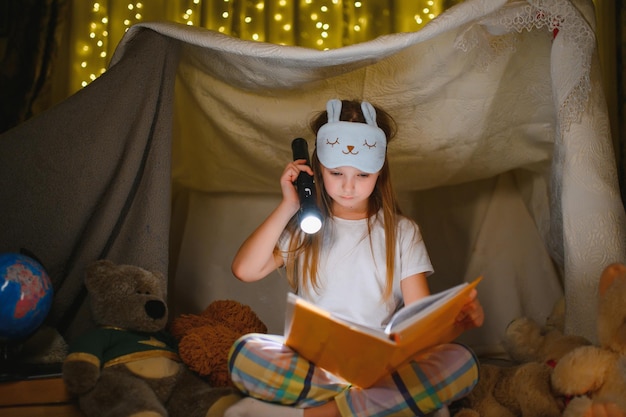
319	24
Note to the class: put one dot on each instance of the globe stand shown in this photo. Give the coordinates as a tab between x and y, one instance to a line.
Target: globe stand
9	359
14	366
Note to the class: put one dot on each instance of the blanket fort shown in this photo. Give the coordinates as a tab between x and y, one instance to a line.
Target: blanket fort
503	130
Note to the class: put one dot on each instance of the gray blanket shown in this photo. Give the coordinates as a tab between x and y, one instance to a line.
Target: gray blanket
90	178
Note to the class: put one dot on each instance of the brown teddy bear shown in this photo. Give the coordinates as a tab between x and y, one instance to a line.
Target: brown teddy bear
523	387
596	375
205	339
128	365
511	391
525	340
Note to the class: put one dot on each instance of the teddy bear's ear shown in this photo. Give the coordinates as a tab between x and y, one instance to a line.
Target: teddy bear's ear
611	273
95	270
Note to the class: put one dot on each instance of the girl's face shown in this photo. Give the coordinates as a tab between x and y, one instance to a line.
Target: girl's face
349	189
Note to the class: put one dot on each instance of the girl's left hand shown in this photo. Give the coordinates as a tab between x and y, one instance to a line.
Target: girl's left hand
604	410
472	314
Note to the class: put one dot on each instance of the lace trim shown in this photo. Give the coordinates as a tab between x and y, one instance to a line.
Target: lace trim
499	33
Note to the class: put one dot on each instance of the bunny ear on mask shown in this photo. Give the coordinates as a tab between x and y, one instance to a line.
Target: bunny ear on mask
359	145
369	113
333	108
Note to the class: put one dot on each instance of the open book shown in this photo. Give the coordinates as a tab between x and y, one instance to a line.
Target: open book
362	355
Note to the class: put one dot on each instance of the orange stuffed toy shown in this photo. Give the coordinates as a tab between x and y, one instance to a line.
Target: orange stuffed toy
205	339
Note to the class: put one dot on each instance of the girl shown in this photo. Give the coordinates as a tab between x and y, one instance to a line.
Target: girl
366	262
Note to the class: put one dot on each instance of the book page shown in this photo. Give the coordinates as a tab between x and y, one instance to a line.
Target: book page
436	322
420	308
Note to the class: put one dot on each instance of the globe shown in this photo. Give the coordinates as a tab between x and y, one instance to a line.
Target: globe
25	296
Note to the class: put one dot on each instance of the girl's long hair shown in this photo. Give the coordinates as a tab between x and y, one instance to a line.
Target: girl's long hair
383	197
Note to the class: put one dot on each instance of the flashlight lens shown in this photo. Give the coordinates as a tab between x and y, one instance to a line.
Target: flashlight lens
310	224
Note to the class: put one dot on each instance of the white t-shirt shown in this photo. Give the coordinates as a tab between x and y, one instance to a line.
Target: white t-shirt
352	281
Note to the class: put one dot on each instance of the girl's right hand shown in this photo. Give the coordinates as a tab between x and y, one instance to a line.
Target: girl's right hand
256	258
288	179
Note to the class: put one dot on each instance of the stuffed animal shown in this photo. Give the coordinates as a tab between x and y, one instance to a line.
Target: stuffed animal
205	339
520	390
525	340
128	365
596	375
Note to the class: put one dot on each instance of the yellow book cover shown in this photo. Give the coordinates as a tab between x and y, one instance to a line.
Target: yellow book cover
362	355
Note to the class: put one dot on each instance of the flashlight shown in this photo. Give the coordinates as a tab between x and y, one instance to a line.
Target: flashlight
309	214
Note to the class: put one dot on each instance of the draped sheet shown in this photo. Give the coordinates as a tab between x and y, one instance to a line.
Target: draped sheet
89	178
503	155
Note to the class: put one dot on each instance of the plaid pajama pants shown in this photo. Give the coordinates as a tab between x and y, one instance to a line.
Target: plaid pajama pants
262	366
